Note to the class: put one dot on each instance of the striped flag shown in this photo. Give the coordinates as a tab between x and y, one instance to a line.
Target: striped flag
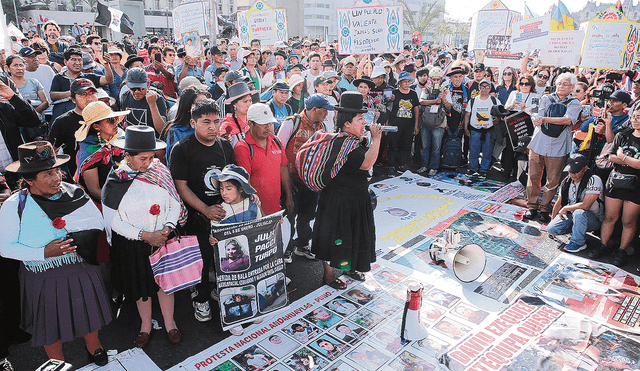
114	19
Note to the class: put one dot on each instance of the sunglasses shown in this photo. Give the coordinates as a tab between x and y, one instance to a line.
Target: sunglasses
112	120
136	89
331	81
524	83
543	77
507	74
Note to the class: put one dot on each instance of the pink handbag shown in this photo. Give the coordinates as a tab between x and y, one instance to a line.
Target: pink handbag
177	264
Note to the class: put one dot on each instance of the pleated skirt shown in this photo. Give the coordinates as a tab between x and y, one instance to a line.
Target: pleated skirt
131	268
63	303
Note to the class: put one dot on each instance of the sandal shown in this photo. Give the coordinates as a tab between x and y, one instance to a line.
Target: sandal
336	284
358	276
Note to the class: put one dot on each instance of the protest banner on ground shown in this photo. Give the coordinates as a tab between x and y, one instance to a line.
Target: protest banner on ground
610	41
518	125
530	34
604	293
250	269
263	23
494	19
564	48
191	16
371	29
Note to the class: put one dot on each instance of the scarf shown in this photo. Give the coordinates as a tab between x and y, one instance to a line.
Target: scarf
94	150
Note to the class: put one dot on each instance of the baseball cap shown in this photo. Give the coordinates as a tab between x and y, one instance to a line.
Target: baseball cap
485	81
319	80
622	96
292	66
215	50
349	59
261	114
235	76
79	86
331	74
27	52
137	78
318	101
404	75
576	163
479	67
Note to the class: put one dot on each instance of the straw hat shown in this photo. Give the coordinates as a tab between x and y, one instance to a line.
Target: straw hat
94	112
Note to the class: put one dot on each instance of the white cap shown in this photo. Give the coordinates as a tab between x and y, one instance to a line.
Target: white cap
279	44
261	114
378	71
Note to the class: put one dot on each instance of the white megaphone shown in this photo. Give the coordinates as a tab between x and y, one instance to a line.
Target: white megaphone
411	328
467	262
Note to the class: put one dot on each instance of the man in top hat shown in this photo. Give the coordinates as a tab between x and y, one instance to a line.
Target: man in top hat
328	65
263	156
60	93
133	61
278	103
294	132
64	126
147	107
580	204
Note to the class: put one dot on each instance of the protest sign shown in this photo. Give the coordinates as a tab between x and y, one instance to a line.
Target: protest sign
494	19
192	44
192	16
263	23
611	41
499	47
564	48
371	29
250	269
530	34
518	125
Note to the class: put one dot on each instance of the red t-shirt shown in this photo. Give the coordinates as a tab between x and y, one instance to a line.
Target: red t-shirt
263	169
169	89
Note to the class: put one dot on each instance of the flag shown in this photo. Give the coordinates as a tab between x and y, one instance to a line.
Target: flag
619	6
5	40
568	21
114	19
560	20
528	14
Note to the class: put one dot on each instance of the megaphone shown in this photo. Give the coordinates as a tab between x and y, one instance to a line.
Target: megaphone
411	328
467	262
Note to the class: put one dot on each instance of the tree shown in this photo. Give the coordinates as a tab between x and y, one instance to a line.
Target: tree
423	19
7	6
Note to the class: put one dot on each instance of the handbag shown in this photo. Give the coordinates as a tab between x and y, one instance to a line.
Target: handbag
602	160
431	120
177	264
618	180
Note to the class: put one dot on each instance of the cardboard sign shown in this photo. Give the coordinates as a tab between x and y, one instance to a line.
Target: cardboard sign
564	48
494	19
192	16
371	29
530	34
263	23
518	124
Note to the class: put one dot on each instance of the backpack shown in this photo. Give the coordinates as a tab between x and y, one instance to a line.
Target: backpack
296	124
430	120
555	109
494	100
251	146
451	150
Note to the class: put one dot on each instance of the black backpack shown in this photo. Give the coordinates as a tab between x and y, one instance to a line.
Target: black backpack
451	151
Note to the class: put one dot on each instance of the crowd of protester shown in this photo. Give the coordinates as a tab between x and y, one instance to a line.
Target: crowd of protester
215	138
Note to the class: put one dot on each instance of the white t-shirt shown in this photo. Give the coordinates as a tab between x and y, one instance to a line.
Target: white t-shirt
594	186
526	97
45	75
480	117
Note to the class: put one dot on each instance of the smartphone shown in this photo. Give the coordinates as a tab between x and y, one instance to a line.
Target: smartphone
519	97
158	57
105	48
387	94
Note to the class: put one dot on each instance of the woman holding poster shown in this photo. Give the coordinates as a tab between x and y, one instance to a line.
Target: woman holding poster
344	232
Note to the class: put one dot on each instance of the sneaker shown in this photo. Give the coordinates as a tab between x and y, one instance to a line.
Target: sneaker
482	174
619	258
544	217
598	252
236	330
470	172
214	295
287	257
194	292
5	365
475	174
530	214
392	171
203	312
630	250
572	247
422	170
256	321
304	251
433	172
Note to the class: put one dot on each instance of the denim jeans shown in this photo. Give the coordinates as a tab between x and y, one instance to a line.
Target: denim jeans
578	223
477	145
431	143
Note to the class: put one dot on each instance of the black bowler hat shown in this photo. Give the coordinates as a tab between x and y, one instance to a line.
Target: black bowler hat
366	79
35	157
350	101
139	138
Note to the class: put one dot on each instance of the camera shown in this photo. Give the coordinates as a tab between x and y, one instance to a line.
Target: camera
602	93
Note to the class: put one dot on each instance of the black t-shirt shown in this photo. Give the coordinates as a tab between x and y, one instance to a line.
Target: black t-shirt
62	135
378	96
630	145
196	163
457	99
141	112
474	89
402	109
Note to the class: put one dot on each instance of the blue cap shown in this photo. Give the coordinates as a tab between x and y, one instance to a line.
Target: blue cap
485	81
404	75
318	101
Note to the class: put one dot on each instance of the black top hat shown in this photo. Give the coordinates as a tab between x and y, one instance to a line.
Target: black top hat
366	79
350	101
35	157
132	58
139	138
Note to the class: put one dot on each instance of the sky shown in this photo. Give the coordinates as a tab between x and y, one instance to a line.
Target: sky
464	9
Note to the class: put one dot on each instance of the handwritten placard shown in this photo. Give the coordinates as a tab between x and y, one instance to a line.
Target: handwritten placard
191	17
604	44
485	23
530	34
364	30
563	49
263	23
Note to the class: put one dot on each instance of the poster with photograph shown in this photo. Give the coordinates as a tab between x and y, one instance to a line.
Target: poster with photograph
452	177
348	332
279	345
302	331
192	43
250	269
306	360
329	347
368	357
254	358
